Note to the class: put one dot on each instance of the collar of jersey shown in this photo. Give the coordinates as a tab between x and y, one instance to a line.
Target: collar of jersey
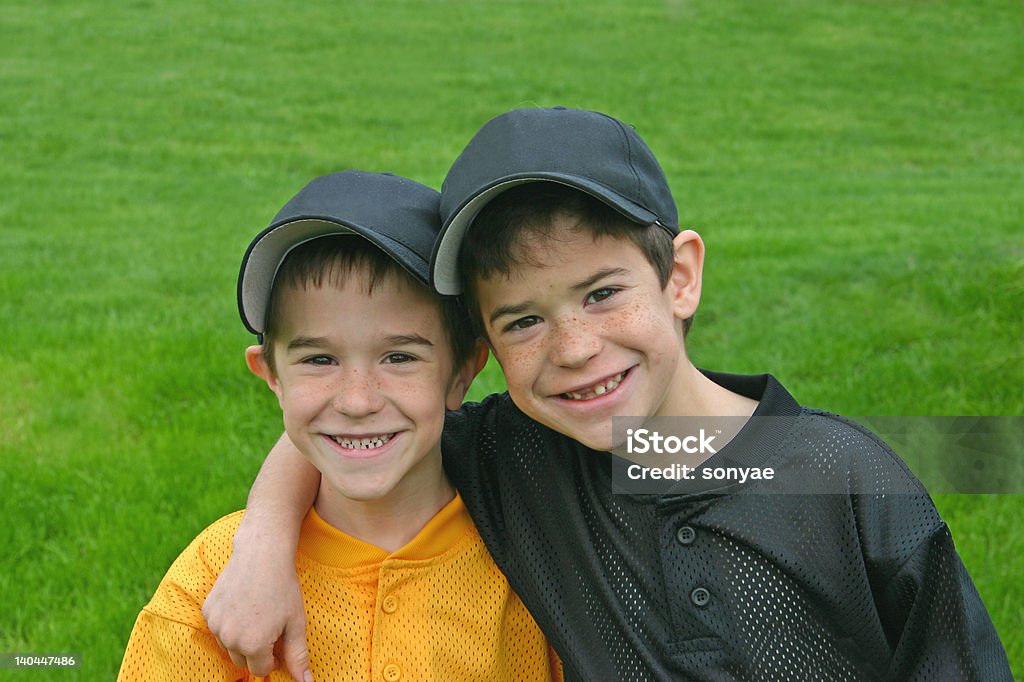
325	544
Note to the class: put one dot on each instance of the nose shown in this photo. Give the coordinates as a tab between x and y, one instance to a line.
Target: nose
573	343
358	394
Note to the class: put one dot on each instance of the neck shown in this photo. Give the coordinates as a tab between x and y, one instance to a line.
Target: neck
392	521
693	395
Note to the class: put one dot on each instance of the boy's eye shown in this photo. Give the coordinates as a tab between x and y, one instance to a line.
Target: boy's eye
318	360
398	358
601	294
522	323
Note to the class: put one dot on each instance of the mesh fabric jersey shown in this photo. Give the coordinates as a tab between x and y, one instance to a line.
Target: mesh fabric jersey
741	582
437	609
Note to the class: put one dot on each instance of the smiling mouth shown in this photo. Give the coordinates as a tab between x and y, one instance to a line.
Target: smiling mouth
596	390
365	443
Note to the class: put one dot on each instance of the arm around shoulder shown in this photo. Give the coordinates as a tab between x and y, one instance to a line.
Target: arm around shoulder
256	601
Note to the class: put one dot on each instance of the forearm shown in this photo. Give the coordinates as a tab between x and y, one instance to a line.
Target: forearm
280	496
256	601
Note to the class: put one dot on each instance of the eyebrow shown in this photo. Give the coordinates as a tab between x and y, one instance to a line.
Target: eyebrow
307	342
510	309
393	340
598	276
516	308
408	339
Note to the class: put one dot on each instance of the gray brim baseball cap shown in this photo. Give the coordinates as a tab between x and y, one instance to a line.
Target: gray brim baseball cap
587	150
398	215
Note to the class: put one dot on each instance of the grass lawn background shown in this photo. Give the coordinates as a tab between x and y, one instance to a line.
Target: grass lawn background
856	168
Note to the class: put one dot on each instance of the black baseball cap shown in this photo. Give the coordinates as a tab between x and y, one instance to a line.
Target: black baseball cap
590	151
398	215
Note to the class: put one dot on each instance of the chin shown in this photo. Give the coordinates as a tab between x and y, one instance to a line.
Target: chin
366	496
363	493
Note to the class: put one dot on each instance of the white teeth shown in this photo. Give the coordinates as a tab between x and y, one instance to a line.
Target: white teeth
363	443
596	390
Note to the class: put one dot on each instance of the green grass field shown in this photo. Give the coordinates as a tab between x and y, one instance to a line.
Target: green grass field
855	166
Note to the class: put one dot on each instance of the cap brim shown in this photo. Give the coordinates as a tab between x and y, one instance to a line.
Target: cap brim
444	269
269	249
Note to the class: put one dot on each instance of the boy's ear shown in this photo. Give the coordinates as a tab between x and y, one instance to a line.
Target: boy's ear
684	281
257	363
464	376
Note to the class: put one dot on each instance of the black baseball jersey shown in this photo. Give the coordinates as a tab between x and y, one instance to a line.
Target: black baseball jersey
729	583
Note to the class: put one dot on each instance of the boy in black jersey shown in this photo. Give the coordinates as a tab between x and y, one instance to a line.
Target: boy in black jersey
583	285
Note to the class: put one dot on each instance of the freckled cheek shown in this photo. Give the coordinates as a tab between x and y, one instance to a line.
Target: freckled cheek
644	327
422	404
305	398
519	366
633	321
425	397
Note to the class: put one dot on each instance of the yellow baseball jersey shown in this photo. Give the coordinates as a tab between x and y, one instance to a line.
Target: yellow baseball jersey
436	609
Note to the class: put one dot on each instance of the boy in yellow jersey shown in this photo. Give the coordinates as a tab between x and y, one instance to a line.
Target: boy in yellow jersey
363	359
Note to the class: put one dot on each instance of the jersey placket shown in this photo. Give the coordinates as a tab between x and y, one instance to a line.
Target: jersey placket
696	603
391	658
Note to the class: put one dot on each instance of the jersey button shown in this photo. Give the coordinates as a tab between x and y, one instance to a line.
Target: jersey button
700	596
686	535
390	604
392	673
